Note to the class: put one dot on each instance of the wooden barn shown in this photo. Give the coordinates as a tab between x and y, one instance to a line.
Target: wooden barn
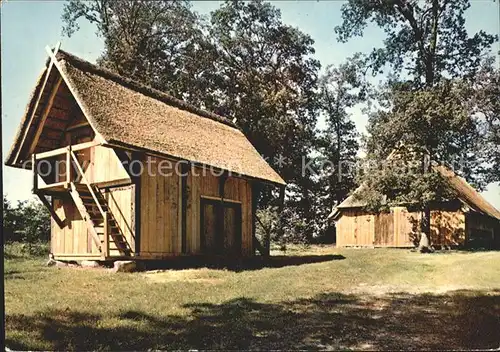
468	221
127	171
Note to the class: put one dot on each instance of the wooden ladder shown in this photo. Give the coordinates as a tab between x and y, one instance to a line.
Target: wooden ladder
94	210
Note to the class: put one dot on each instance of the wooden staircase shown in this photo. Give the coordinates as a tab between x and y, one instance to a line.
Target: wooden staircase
94	210
89	200
102	225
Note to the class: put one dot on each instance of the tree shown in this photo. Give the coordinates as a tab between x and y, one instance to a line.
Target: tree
268	80
432	61
486	104
340	89
27	222
269	84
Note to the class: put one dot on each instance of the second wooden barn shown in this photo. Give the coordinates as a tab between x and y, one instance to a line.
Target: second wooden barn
134	173
467	221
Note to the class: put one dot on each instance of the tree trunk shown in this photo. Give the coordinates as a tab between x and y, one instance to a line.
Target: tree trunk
424	245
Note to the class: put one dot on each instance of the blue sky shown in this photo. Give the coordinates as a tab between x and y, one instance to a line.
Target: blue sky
28	26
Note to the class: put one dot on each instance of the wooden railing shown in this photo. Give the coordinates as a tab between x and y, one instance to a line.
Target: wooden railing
36	158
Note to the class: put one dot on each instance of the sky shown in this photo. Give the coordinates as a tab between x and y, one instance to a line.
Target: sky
28	26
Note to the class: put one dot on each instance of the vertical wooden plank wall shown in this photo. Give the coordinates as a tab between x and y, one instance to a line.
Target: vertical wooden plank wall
160	216
395	229
105	166
120	205
403	227
356	228
73	238
384	229
447	228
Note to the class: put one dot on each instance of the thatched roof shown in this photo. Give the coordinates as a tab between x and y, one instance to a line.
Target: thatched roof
466	194
131	115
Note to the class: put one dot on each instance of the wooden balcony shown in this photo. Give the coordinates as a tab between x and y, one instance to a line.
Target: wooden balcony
58	168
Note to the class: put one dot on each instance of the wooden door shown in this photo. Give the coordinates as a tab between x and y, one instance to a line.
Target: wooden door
220	224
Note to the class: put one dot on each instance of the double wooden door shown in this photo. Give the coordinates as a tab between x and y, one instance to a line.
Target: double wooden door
220	225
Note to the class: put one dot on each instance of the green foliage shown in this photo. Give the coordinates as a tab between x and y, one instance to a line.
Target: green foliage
341	88
268	82
427	40
486	104
28	222
403	180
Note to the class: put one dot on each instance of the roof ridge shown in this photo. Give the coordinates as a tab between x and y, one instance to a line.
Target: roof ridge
141	88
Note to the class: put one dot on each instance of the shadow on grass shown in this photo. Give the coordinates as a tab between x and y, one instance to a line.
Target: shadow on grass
238	264
461	320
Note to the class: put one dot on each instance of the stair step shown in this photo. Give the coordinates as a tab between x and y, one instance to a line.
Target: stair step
90	201
112	229
91	207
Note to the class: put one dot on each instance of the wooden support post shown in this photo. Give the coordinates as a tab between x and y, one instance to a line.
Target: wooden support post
50	208
37	101
105	250
45	114
281	206
35	173
255	201
220	212
134	170
184	199
68	166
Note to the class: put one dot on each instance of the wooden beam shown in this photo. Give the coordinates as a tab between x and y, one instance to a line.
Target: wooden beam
76	256
105	251
137	203
68	164
44	116
114	184
281	206
219	221
77	126
53	58
255	200
49	207
53	129
35	106
63	150
225	200
222	183
53	185
184	199
34	166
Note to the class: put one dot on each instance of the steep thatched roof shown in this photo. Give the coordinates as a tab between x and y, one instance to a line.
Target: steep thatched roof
128	114
466	194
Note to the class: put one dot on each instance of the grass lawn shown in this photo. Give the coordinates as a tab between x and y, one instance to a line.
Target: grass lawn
357	299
